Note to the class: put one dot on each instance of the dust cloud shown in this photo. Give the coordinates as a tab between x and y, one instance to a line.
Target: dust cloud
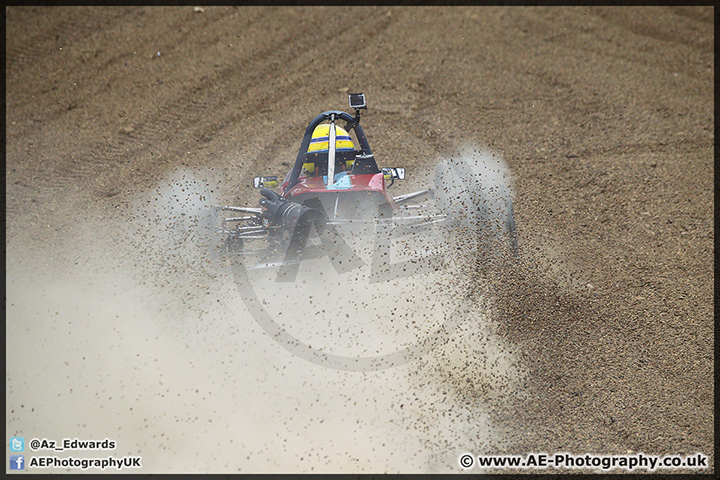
138	333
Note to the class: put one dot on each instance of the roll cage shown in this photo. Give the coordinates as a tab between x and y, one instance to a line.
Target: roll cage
352	123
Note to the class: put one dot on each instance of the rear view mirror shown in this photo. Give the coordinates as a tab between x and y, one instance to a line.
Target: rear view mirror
267	182
394	173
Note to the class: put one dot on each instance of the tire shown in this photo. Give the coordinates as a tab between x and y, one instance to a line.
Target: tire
477	198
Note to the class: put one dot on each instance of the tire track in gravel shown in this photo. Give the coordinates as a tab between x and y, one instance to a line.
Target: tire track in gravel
175	128
100	161
39	57
28	50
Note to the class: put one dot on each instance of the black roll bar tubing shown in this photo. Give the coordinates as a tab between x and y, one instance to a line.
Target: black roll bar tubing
351	121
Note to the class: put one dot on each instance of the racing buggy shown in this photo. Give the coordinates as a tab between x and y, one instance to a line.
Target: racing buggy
332	187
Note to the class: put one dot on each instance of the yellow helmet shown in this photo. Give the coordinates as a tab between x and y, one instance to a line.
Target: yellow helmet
320	140
317	153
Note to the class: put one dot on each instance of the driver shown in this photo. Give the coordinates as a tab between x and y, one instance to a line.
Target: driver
317	155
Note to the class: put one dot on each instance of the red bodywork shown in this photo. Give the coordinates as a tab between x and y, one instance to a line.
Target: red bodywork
351	196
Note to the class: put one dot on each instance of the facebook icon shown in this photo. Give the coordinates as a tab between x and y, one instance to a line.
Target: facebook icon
17	462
